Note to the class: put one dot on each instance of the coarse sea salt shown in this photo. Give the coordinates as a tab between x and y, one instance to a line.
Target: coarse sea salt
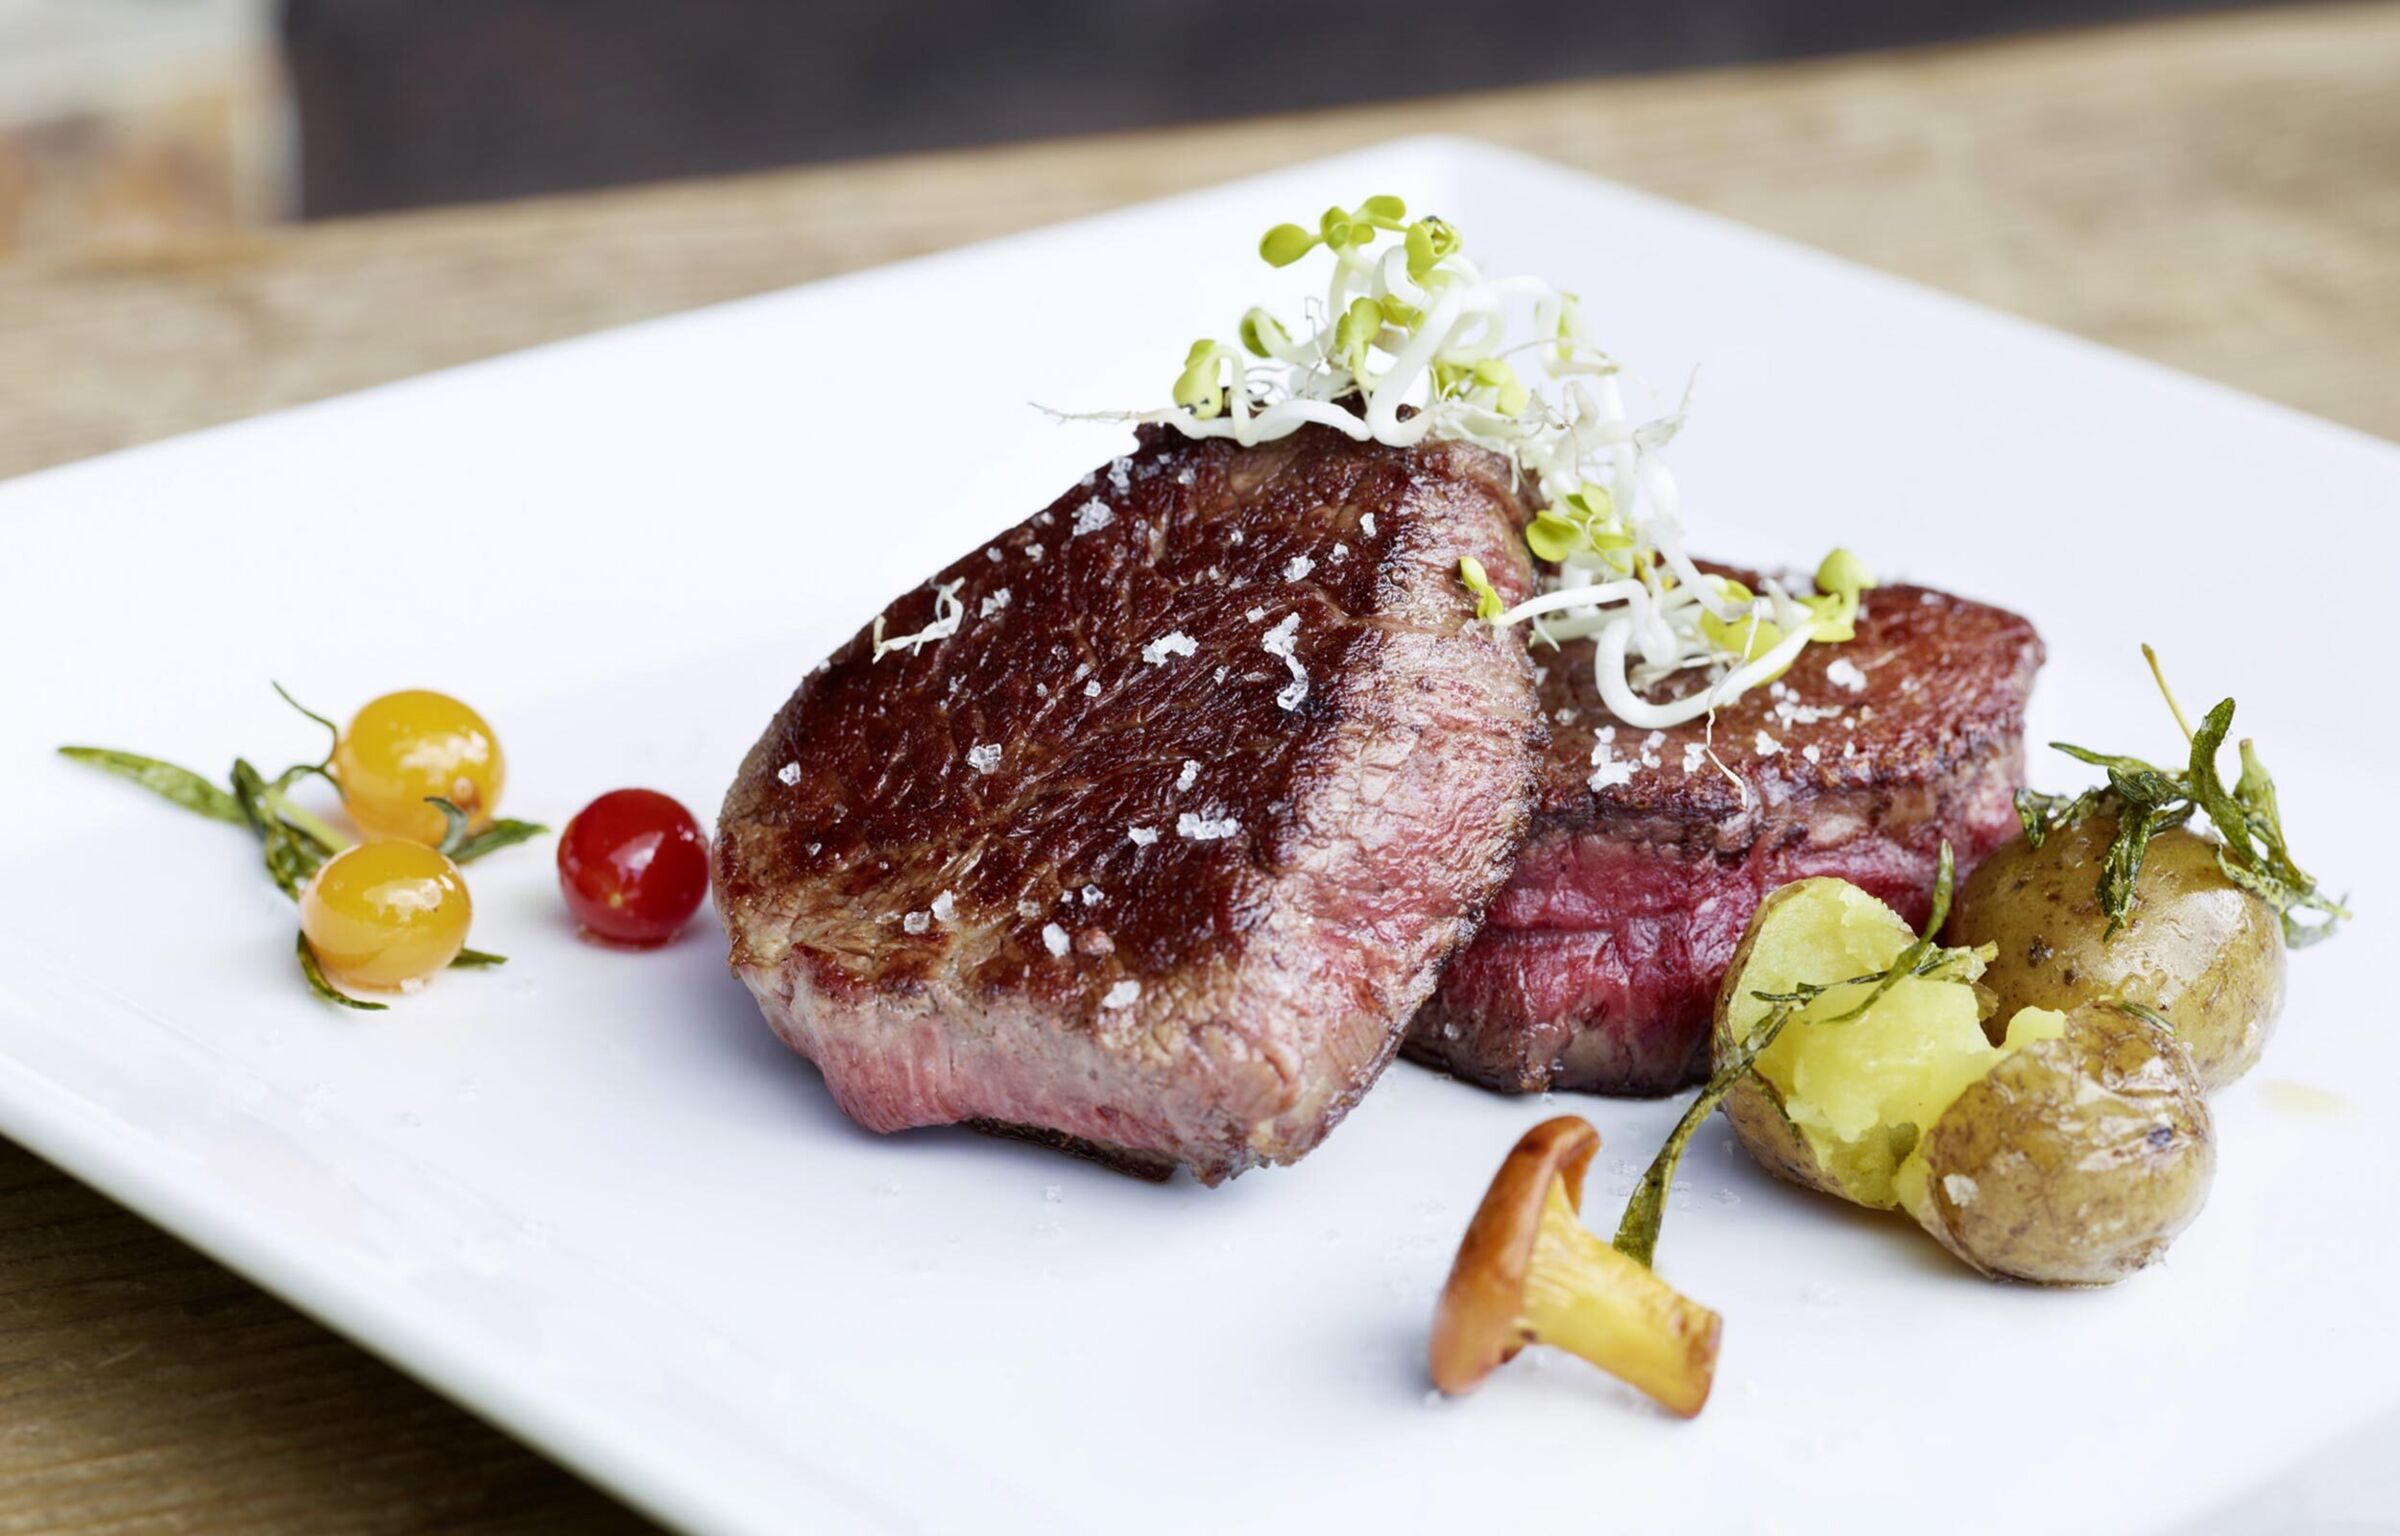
992	603
917	922
1281	641
1142	837
1843	673
1190	775
944	908
1767	746
1366	525
789	773
1054	938
1298	567
1091	517
1123	995
1176	643
983	757
1205	829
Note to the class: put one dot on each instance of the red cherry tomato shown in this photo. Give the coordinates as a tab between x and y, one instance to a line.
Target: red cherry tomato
633	865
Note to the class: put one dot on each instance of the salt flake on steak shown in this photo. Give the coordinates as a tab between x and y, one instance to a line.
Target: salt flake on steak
983	757
1607	770
1054	938
1123	995
1280	642
1091	517
1175	644
1205	829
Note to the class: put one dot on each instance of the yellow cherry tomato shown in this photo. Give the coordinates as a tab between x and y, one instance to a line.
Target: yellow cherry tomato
385	913
406	747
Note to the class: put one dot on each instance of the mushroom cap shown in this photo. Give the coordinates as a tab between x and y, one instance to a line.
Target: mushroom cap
1475	1328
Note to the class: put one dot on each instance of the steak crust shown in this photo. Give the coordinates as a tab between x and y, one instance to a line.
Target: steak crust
1154	858
1598	966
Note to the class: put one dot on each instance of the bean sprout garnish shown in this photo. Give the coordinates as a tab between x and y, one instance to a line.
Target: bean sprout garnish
1413	342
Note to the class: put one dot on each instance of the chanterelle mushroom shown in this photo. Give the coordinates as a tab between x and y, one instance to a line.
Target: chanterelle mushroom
1530	1272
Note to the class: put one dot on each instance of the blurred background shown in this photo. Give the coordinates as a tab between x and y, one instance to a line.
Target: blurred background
123	122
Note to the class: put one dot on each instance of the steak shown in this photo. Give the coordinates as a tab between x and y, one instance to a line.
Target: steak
1598	966
1154	858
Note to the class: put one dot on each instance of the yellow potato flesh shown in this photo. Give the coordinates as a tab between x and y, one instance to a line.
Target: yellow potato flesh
1861	1092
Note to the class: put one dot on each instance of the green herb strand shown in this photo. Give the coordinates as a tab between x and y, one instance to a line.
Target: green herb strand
2146	801
325	989
165	780
461	846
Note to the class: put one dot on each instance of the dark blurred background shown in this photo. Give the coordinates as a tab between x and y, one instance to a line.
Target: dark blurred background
123	122
409	102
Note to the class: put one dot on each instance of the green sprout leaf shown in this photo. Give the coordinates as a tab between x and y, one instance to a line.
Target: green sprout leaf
1285	244
477	959
1553	536
165	780
325	989
1487	599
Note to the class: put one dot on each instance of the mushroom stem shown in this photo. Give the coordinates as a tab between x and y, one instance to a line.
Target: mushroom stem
1583	1296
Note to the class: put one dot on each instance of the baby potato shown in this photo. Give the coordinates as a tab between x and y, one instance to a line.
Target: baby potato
1837	1108
2074	1161
2070	1153
2200	951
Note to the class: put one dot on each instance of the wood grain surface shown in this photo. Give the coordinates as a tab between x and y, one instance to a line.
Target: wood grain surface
2221	194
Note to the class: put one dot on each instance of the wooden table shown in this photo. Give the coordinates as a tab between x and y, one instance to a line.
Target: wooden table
2222	195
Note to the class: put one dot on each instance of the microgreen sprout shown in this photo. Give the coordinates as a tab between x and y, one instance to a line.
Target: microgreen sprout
947	612
1412	341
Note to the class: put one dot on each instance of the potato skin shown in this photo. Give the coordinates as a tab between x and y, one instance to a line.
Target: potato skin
1752	1106
2075	1161
2198	949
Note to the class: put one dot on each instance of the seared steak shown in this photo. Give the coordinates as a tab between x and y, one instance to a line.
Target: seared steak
1598	966
1156	855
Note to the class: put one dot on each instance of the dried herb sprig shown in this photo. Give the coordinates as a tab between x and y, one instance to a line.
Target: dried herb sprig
2146	800
294	841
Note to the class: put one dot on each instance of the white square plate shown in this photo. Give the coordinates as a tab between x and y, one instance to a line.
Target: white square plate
590	1196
